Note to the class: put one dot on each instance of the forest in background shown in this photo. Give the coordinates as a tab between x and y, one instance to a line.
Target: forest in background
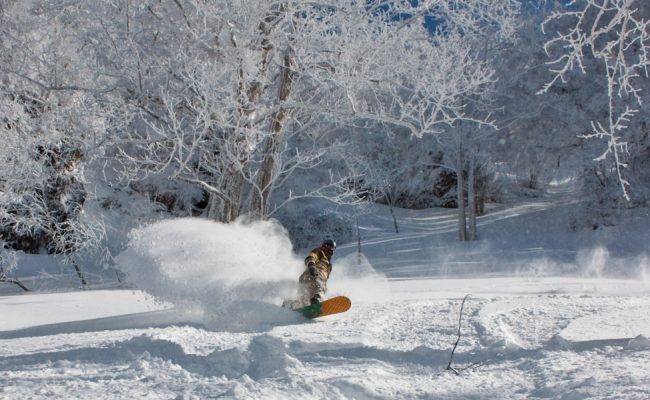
117	113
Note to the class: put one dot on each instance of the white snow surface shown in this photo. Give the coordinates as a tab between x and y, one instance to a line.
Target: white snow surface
550	314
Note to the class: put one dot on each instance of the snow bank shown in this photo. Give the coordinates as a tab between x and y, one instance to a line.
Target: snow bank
229	276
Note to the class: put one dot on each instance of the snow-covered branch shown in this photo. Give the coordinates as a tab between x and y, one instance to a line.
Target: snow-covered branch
613	32
7	264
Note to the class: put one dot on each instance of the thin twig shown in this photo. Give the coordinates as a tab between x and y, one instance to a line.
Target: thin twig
471	366
460	320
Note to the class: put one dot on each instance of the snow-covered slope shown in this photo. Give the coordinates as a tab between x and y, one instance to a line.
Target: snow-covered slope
550	314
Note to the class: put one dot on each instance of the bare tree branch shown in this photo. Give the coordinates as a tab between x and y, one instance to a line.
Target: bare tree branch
615	34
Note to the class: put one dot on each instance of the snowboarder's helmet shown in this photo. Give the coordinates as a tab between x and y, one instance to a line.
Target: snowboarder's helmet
329	243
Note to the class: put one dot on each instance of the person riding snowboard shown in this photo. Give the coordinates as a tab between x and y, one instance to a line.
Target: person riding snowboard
313	281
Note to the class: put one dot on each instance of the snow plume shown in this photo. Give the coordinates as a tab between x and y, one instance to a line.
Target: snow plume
641	265
540	267
228	276
598	262
593	262
644	269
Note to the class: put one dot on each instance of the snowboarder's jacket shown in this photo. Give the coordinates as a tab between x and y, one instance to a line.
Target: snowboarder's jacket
320	257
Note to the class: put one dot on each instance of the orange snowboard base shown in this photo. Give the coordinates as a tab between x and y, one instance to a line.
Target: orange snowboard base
335	305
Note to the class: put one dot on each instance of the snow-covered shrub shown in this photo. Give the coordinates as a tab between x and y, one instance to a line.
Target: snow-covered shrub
401	171
42	200
175	198
8	262
602	200
431	187
42	183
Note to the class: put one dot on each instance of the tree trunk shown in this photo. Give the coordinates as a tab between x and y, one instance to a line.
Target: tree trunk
80	274
260	202
481	193
471	199
214	211
358	243
249	96
532	180
460	189
232	207
392	212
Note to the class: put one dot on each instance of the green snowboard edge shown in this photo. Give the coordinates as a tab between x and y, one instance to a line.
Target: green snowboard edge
311	311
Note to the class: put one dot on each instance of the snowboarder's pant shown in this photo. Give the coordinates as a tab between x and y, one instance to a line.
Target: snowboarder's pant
310	286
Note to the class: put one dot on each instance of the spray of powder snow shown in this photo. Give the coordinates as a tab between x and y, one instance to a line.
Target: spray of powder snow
596	262
230	276
233	276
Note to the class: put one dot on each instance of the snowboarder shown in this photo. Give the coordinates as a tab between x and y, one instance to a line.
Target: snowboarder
313	281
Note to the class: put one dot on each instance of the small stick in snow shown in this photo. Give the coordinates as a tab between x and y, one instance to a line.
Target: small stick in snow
451	358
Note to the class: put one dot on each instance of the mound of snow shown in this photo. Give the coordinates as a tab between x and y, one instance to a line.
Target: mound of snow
639	343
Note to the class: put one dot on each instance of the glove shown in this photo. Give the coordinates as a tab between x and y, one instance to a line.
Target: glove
312	269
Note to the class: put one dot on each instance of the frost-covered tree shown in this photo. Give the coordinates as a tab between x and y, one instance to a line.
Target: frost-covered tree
225	86
537	139
613	36
8	263
204	84
42	191
230	100
399	170
463	140
438	73
48	124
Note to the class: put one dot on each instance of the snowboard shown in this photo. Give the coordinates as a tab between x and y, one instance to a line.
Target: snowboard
335	305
